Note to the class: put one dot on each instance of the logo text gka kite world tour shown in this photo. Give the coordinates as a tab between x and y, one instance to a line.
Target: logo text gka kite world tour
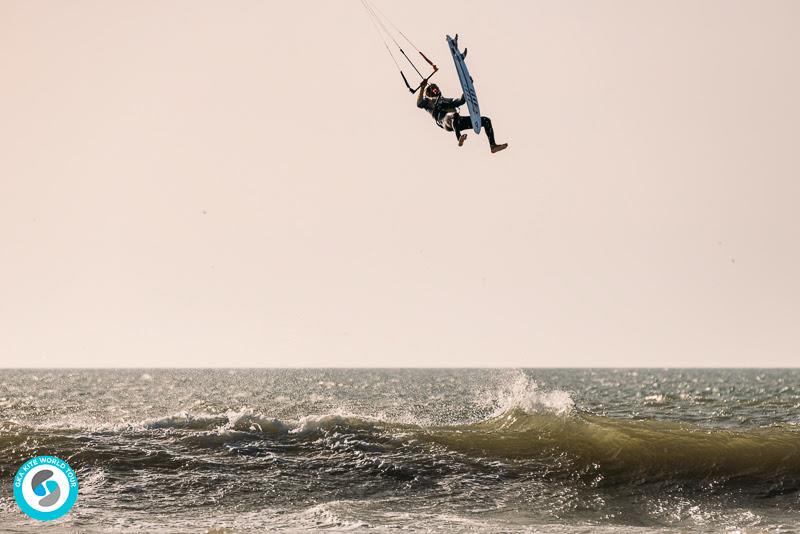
45	488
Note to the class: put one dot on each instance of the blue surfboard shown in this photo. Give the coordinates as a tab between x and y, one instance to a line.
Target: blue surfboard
466	83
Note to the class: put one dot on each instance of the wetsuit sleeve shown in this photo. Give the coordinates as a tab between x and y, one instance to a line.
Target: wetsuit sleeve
448	104
421	95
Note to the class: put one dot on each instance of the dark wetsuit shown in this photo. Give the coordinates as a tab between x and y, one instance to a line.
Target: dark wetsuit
439	107
445	112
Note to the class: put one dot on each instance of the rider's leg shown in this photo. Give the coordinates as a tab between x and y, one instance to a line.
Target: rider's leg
460	124
486	122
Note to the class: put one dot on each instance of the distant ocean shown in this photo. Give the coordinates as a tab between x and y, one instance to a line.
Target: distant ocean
560	451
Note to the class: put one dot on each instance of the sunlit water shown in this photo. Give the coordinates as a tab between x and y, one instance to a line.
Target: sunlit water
428	450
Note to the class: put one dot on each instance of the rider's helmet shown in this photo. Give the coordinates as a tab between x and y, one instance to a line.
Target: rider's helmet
432	91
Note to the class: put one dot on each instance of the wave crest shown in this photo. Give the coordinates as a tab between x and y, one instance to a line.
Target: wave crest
523	394
245	420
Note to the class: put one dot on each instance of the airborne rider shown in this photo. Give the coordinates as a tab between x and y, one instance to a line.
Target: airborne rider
445	113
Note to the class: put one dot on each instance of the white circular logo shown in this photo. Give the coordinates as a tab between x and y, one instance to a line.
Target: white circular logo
45	488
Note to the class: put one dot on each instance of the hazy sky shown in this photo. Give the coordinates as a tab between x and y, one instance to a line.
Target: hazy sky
249	184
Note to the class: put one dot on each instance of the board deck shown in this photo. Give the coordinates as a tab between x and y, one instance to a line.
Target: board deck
466	84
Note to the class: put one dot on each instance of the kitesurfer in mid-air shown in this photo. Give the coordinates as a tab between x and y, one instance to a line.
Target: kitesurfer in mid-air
445	113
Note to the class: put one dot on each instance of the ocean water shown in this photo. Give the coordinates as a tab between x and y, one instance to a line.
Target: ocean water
530	450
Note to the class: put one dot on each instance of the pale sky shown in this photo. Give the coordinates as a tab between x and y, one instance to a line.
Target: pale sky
249	184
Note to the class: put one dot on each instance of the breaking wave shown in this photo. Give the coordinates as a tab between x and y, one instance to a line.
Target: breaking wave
538	431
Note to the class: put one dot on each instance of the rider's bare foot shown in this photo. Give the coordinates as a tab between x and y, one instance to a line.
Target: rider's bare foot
461	139
498	148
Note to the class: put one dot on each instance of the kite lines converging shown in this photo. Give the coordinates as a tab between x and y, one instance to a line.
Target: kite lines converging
379	21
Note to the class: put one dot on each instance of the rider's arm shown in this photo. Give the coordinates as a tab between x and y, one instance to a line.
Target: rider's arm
459	102
421	94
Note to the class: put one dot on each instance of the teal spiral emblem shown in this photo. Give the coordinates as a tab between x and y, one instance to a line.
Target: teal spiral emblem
45	488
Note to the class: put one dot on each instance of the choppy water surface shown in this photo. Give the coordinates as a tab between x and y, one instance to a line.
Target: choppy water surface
429	450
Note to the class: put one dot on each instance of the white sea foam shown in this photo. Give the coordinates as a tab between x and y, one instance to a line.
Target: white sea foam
324	516
655	399
522	393
233	420
313	423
